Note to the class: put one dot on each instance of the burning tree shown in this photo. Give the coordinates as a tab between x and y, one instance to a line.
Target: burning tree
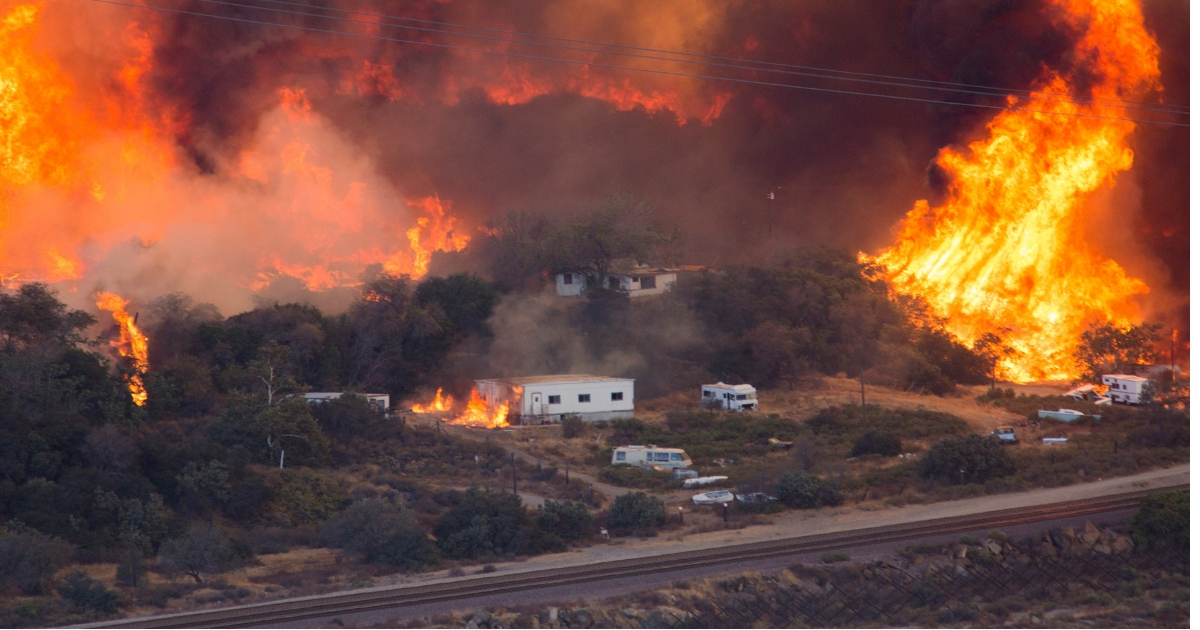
1109	349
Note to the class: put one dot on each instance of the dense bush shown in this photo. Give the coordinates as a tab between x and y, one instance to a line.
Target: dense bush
799	489
636	512
876	443
572	426
381	532
567	520
204	551
628	476
29	559
1163	520
970	459
88	594
485	524
350	417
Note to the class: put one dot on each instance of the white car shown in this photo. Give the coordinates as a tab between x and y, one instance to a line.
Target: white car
712	498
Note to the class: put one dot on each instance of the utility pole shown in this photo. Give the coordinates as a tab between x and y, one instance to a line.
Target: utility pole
862	383
513	458
1172	355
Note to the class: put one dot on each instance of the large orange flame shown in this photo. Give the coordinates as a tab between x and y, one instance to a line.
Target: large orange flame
1006	250
477	413
133	343
437	404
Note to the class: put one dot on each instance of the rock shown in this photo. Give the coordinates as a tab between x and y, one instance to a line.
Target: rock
962	552
583	617
1104	548
1122	544
1090	533
960	570
632	613
1060	539
1047	549
1069	532
471	625
552	614
993	547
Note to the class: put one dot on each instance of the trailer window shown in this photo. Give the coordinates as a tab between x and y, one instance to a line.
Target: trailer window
648	282
620	456
618	395
741	397
676	457
585	398
554	400
661	457
567	279
708	394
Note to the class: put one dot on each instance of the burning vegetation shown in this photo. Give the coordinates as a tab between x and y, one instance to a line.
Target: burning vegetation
132	344
476	413
1006	251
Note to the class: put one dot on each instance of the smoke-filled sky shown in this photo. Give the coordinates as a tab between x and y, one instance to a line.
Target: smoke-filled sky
394	124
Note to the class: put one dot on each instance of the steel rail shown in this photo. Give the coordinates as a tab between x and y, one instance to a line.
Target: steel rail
333	604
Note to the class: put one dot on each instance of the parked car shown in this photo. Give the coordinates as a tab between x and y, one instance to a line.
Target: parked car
712	498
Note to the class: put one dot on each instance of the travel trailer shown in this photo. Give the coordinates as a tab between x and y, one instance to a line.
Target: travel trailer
650	456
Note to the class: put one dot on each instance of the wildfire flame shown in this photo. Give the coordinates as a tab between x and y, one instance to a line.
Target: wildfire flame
1006	249
477	413
133	344
437	404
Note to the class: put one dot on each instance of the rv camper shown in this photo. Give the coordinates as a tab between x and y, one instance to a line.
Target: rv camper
651	456
731	397
546	399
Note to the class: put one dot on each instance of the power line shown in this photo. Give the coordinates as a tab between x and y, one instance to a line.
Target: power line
636	69
755	64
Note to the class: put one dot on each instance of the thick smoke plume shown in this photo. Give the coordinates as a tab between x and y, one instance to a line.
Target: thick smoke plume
396	123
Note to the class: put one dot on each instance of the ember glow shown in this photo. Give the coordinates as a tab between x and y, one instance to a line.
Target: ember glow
437	404
477	414
1006	250
132	344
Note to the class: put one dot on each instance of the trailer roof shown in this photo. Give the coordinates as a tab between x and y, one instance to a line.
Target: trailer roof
557	378
737	388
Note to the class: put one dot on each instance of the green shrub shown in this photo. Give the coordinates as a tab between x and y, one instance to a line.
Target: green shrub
634	477
970	459
1163	520
837	424
567	520
831	558
29	558
877	443
572	426
634	512
485	524
204	551
381	532
88	594
799	489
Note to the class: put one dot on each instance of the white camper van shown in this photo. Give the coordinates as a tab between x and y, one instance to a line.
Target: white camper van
650	456
1128	389
732	397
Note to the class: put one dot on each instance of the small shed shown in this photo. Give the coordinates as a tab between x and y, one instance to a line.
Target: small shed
546	399
732	397
639	281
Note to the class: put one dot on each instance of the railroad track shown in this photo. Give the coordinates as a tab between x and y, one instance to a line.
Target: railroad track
334	604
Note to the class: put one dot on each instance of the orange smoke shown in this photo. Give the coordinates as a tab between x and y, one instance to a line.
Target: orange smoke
477	414
133	344
1006	250
437	404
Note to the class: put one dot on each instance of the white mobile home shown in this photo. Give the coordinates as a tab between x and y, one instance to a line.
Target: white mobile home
545	399
1128	389
732	397
383	401
650	456
637	282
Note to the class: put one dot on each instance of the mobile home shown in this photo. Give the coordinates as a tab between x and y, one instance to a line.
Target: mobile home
635	455
731	397
546	399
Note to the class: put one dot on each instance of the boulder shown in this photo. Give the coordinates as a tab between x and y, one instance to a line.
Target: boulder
993	547
1104	548
552	614
1061	539
1122	544
1090	533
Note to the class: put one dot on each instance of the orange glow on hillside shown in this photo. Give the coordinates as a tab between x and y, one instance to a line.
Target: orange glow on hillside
133	343
1006	250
